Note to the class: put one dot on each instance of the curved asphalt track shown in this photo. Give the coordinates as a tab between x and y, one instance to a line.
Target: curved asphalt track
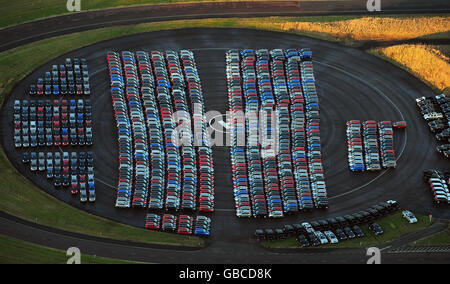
14	36
351	84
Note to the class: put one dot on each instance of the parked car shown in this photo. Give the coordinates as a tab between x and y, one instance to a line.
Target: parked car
400	124
153	221
303	241
203	226
376	229
359	233
331	237
408	215
321	236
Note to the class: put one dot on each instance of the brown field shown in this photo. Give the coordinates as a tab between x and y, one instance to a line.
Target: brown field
426	61
375	28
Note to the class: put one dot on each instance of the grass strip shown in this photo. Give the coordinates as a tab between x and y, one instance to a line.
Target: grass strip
14	251
439	239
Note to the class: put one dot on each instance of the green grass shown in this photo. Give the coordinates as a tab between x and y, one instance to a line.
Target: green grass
14	251
439	239
394	226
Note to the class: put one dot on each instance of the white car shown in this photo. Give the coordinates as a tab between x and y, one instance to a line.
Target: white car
409	216
243	213
308	227
321	237
276	214
332	237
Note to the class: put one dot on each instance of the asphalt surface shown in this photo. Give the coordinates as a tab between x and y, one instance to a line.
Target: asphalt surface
219	253
351	85
14	36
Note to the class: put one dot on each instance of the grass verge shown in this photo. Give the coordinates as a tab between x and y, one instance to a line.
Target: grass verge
439	239
394	226
14	251
376	28
427	63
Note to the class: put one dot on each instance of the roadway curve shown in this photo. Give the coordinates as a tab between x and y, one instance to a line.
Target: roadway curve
220	253
17	35
352	85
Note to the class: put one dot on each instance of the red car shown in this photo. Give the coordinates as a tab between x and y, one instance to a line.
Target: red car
169	222
185	224
152	221
400	124
74	188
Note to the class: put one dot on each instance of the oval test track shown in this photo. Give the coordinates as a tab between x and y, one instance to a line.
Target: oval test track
342	97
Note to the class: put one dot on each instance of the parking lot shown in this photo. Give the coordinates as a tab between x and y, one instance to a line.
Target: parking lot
55	114
347	89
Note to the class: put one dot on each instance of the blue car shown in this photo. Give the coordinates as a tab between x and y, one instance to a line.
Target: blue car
201	232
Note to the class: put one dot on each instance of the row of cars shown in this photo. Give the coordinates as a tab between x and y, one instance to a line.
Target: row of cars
203	159
312	114
138	129
241	187
372	148
123	124
315	238
438	182
156	155
265	191
355	146
262	176
66	169
310	235
154	89
273	180
299	142
278	71
182	224
387	150
332	230
436	112
71	78
172	151
39	123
